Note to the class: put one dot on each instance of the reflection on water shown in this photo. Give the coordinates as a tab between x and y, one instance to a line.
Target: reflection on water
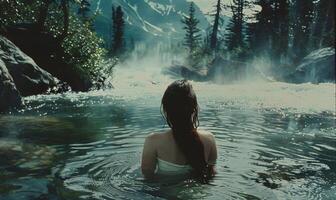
88	146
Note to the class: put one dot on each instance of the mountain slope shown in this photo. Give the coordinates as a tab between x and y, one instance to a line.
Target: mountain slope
147	19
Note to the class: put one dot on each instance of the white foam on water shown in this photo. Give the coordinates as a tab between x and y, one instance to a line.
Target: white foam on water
144	77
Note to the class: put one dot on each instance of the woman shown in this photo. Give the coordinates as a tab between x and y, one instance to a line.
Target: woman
183	148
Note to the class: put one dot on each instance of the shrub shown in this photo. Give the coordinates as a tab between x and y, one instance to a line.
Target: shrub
82	48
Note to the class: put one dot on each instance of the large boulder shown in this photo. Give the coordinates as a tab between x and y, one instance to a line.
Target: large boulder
29	78
317	67
48	53
9	95
219	70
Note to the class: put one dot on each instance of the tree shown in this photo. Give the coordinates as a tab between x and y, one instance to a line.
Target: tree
66	16
269	35
118	25
283	15
84	10
70	42
213	38
192	36
303	16
260	31
113	27
280	29
235	36
42	15
328	38
323	33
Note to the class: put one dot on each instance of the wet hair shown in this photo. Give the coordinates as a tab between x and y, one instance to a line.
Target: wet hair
180	109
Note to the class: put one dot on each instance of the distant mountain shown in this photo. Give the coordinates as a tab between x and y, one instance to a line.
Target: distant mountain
147	19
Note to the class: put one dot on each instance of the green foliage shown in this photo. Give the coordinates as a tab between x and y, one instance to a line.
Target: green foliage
118	25
302	21
269	34
192	36
214	39
84	10
82	48
12	12
323	31
235	33
260	31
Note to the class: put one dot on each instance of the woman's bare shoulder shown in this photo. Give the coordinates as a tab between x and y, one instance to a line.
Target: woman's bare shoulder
157	136
206	136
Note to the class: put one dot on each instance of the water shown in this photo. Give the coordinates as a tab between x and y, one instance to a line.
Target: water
275	141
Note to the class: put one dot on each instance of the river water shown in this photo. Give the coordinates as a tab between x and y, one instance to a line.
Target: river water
275	141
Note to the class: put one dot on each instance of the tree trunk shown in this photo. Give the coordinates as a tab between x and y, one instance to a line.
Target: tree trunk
65	10
214	39
42	15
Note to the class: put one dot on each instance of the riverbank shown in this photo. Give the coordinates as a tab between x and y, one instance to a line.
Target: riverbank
21	76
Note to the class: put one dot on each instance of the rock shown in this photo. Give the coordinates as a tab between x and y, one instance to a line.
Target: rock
317	67
9	95
24	155
47	52
29	78
219	70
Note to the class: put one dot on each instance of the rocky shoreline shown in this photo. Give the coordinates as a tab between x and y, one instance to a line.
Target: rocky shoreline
317	67
20	76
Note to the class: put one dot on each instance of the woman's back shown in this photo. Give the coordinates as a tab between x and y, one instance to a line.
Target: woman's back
184	144
168	157
168	150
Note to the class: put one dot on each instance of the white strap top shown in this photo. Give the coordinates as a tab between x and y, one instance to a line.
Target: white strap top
168	168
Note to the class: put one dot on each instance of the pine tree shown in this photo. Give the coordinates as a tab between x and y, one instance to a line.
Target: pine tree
329	28
192	36
260	32
303	16
324	24
214	33
280	29
113	27
235	36
65	6
283	15
118	30
269	35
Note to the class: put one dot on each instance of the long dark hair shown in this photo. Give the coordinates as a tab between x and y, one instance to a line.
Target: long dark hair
180	109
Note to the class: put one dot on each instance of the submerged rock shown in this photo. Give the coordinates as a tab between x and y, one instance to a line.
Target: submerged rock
9	95
25	155
29	78
317	67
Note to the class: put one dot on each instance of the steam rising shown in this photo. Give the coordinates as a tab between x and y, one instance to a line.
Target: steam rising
143	77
